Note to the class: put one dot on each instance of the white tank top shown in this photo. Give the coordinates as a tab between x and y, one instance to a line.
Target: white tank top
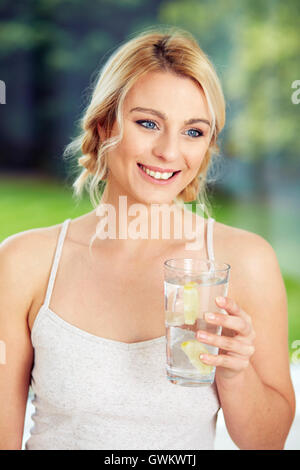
96	393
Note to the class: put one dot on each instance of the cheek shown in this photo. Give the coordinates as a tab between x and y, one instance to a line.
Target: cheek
196	157
133	146
136	145
119	157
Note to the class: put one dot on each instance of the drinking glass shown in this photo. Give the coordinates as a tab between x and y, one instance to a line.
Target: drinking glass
190	289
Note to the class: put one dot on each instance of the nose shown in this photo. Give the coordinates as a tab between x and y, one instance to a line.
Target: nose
167	148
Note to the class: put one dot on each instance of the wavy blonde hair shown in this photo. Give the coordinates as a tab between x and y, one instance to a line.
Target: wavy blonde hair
167	49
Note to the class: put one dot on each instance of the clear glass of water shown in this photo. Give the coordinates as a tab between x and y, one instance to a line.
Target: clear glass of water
190	289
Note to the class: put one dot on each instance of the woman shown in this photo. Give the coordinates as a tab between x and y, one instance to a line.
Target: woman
88	329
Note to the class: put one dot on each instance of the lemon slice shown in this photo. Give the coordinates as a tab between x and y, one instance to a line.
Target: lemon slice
193	349
190	303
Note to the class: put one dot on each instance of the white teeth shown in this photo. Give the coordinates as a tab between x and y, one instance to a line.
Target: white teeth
156	174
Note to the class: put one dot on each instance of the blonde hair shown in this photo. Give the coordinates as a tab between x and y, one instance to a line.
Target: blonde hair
166	49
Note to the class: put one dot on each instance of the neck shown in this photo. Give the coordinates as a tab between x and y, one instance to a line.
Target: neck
139	228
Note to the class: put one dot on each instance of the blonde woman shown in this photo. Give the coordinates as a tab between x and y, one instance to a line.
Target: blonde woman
82	316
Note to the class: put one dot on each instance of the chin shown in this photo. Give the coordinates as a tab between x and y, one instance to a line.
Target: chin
156	199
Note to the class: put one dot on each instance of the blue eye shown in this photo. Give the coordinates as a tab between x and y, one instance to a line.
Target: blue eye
147	121
200	133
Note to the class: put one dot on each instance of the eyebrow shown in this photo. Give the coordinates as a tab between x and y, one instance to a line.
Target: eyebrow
164	117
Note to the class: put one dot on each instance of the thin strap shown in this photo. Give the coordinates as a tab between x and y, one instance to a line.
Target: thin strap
209	239
57	255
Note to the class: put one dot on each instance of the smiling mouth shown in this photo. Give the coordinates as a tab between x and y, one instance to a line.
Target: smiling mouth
158	175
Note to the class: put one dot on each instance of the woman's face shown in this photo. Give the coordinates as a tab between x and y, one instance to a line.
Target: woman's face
166	132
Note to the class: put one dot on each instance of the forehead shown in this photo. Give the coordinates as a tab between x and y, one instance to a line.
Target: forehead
169	93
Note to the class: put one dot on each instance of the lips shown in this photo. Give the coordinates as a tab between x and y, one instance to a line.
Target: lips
160	170
168	178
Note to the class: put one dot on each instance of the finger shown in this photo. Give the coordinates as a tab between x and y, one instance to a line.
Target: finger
238	324
226	343
229	362
231	307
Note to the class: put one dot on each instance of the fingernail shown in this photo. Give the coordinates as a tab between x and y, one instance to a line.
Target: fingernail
202	335
210	316
221	300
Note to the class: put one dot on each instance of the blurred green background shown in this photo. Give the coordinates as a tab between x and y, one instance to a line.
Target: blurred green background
50	53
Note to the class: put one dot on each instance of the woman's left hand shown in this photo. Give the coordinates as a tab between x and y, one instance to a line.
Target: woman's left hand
235	352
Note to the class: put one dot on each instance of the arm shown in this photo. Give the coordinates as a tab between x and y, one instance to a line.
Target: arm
15	368
252	375
257	416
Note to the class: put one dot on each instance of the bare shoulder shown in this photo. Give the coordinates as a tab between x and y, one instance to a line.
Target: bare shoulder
25	255
255	271
257	286
22	267
242	247
29	244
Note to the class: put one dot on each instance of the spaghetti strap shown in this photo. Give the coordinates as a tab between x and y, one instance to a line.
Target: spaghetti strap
209	239
57	256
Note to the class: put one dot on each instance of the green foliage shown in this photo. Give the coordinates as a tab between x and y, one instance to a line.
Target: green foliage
27	203
254	46
50	53
293	294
